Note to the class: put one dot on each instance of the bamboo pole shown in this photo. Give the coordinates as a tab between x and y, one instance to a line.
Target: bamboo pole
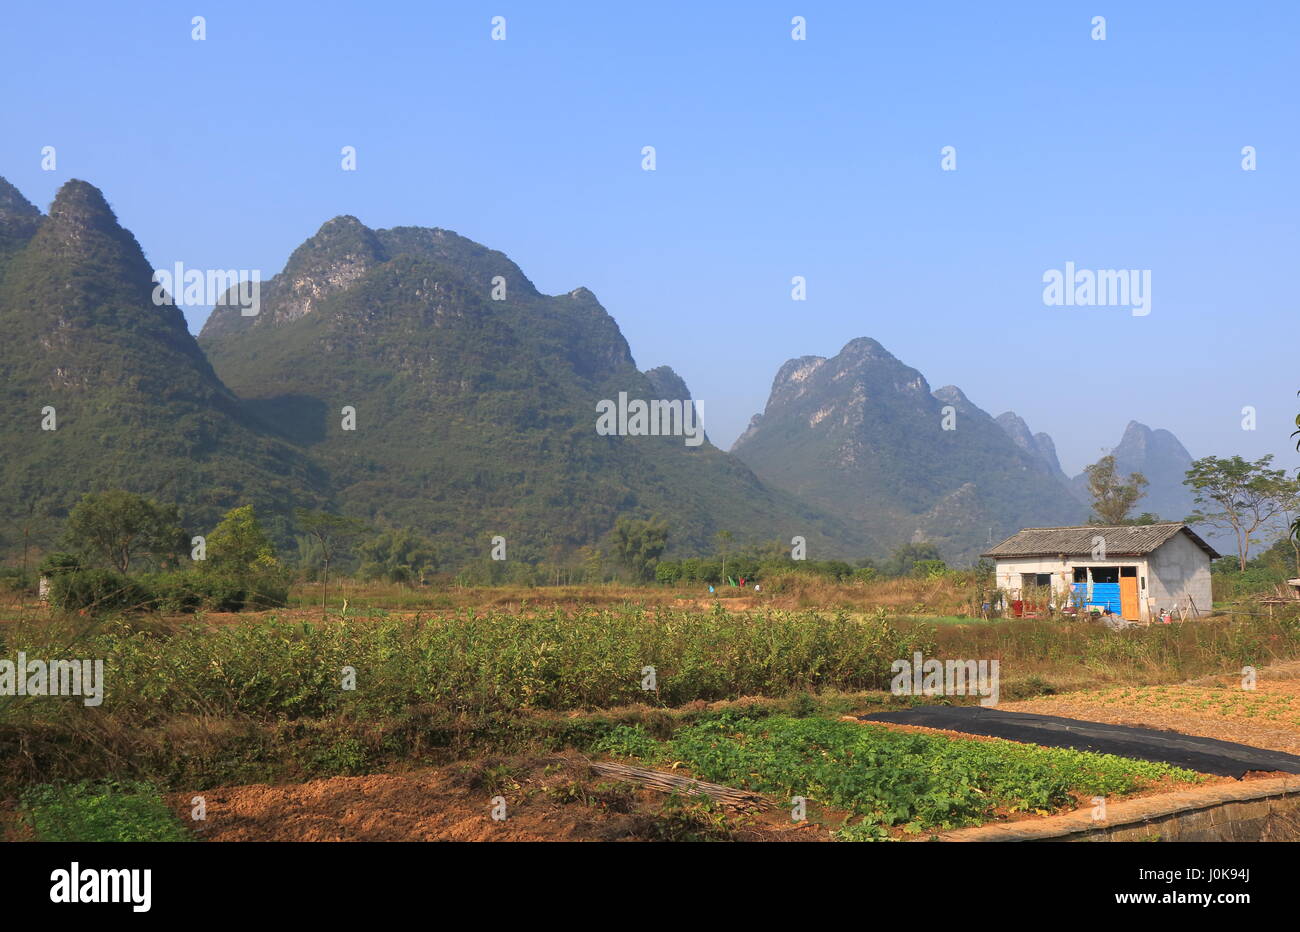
675	783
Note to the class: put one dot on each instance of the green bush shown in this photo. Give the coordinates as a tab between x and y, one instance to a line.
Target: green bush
175	593
496	662
223	593
668	572
13	579
709	571
56	563
104	591
90	812
98	592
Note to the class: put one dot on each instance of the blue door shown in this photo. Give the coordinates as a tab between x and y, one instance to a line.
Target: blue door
1102	594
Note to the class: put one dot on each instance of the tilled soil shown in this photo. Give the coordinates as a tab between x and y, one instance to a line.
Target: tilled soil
1211	707
546	800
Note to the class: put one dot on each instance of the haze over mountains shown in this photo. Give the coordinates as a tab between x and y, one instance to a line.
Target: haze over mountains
1164	461
473	397
474	417
1038	445
1156	454
863	433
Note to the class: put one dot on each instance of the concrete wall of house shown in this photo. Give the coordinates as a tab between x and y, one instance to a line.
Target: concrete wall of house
1008	573
1180	569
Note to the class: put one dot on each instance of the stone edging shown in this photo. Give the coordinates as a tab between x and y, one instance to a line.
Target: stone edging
1133	812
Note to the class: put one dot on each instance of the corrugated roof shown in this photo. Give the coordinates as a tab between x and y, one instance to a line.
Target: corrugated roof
1122	541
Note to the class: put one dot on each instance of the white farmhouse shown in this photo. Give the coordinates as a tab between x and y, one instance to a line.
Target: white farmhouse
1134	571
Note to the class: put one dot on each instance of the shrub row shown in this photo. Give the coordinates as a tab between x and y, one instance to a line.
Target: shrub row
671	572
474	663
98	591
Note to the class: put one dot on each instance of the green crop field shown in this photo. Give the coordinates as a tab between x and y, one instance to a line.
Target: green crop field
918	782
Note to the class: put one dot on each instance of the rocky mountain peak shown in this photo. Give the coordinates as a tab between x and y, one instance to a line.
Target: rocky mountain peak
667	384
19	218
341	251
951	394
13	205
80	206
862	433
864	349
82	232
1016	429
1162	459
1039	445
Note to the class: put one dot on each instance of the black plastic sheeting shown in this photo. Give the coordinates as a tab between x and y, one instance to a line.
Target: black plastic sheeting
1204	755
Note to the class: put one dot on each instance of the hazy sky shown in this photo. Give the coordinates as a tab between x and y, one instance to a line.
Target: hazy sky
775	158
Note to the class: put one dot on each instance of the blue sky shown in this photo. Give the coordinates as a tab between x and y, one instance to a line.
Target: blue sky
775	158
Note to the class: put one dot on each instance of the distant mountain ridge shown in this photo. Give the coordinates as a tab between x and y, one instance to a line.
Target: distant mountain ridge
474	417
474	398
1163	460
133	402
1039	445
863	434
1156	454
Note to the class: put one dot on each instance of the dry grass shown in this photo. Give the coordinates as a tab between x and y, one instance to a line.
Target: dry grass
1212	707
950	594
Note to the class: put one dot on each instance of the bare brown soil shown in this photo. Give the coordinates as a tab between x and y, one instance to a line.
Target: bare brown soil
549	799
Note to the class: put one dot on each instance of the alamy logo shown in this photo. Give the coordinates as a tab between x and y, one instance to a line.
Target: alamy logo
1103	288
86	885
921	677
53	678
638	418
241	288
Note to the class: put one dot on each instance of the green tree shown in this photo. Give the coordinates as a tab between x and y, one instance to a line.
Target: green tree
238	545
1237	495
904	560
397	555
117	528
592	560
930	569
724	545
638	545
333	535
1291	518
33	529
1295	520
1112	497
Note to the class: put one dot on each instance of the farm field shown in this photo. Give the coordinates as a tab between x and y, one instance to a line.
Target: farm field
894	783
1267	716
368	722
